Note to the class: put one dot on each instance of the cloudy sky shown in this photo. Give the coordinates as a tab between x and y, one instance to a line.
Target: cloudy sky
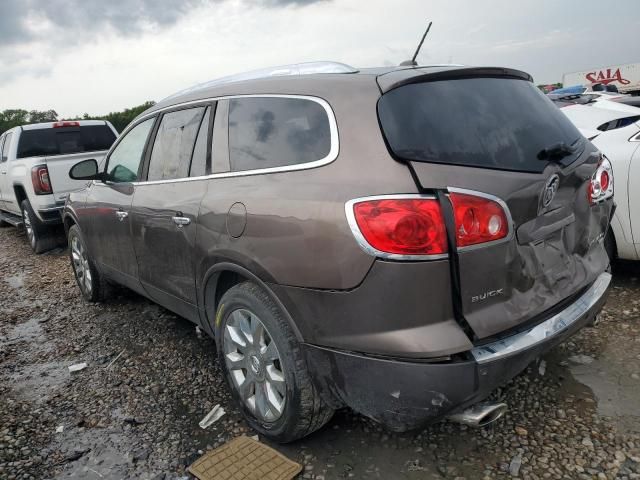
97	56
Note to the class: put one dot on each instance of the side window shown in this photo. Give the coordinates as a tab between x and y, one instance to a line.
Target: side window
274	132
124	161
174	144
5	147
199	160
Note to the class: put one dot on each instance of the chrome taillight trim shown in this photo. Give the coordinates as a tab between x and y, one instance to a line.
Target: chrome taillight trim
366	246
606	165
504	207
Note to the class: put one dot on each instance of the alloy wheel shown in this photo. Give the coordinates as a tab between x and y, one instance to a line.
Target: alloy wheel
81	265
253	361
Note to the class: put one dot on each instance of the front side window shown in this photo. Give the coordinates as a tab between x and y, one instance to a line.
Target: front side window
174	143
124	161
274	132
5	147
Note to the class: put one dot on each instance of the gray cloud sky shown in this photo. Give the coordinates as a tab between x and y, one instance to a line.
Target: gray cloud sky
128	17
94	56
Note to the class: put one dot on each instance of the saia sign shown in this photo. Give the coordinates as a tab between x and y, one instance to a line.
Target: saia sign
607	76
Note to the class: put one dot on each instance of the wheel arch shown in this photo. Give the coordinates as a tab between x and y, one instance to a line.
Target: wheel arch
20	192
220	278
68	220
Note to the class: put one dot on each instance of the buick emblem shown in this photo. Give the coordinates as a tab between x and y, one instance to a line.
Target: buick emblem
550	189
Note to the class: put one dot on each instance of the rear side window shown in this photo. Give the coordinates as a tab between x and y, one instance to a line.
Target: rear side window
276	132
199	160
173	146
65	140
481	122
619	123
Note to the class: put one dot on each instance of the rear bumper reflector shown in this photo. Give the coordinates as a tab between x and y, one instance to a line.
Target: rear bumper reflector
547	329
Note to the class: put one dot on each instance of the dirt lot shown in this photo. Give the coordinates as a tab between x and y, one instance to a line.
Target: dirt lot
134	411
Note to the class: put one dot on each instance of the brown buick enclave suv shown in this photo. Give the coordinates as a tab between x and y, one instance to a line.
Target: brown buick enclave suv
400	241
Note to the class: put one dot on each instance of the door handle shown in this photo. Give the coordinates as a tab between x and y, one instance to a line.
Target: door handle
181	221
121	214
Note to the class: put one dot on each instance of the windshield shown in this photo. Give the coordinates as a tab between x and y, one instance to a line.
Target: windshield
46	142
483	122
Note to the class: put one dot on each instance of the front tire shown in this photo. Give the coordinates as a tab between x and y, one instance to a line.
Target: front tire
93	286
38	234
264	366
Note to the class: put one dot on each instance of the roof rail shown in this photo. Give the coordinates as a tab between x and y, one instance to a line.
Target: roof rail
306	68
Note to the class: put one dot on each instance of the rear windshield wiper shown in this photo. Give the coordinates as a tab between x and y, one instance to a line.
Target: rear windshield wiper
556	151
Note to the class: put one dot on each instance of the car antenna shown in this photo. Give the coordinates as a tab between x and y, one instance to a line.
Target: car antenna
412	62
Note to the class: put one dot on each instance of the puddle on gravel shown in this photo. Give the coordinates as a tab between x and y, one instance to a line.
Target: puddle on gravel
39	382
108	456
29	332
15	281
616	390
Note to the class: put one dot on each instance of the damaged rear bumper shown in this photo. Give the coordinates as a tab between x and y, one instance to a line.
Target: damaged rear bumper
407	394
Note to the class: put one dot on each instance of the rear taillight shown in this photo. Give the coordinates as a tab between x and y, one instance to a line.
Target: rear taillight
601	185
40	180
478	219
412	227
406	226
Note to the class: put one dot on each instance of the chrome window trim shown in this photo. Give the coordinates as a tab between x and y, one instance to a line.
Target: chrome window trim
367	247
330	157
514	344
500	202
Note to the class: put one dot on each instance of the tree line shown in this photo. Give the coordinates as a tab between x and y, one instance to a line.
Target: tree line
15	117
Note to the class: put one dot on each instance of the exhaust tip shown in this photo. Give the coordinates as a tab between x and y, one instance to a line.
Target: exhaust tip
480	415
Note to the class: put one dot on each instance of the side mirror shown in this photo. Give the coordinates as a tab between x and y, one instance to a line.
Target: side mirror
85	170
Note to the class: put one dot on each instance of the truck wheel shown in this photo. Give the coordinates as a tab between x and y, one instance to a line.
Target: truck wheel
38	235
93	286
264	366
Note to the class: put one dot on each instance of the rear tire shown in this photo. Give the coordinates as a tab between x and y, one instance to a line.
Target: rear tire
264	366
38	235
92	284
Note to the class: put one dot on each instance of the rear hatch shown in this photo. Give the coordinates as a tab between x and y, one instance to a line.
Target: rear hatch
64	145
483	130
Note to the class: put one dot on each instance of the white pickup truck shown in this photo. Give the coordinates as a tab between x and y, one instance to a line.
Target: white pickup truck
34	173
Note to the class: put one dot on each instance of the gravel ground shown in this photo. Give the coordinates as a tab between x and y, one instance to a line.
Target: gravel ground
134	411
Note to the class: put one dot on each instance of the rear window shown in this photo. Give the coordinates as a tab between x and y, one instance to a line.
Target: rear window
64	140
276	132
481	122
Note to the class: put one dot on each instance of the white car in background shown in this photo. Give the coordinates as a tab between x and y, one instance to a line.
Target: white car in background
616	133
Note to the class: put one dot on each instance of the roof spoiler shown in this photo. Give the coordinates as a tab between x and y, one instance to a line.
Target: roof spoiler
399	78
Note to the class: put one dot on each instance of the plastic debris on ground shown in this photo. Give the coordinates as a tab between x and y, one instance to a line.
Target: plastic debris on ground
542	368
60	429
244	458
77	367
213	416
114	360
